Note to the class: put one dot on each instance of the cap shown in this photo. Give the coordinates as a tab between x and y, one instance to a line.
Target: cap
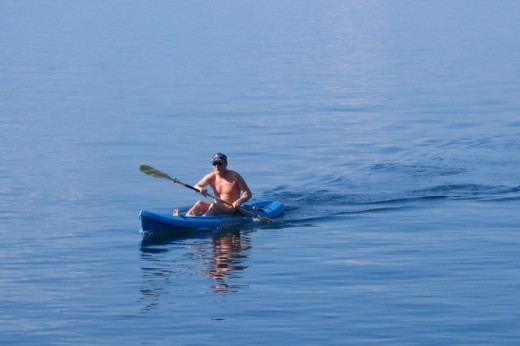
219	157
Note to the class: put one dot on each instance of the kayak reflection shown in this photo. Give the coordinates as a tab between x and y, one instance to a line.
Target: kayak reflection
170	265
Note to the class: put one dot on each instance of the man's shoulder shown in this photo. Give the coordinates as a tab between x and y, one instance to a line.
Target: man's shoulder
236	176
234	173
210	176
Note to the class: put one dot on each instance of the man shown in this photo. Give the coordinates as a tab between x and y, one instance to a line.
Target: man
226	184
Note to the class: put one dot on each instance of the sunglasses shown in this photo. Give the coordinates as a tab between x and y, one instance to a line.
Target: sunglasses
218	164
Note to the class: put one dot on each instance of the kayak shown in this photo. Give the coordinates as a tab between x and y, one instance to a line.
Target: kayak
166	222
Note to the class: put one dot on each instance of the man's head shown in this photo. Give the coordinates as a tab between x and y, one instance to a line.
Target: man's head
219	159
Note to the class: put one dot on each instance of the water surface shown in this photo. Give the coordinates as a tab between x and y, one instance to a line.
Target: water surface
388	128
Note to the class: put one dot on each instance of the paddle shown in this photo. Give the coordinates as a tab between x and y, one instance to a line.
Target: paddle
158	174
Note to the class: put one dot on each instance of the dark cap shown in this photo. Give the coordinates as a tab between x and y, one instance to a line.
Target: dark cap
219	157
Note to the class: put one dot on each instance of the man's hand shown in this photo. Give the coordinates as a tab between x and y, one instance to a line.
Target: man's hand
203	191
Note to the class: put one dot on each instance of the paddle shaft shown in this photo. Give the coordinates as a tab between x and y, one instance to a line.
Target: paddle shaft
149	170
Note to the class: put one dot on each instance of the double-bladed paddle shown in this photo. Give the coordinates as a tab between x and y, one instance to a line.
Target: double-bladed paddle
159	174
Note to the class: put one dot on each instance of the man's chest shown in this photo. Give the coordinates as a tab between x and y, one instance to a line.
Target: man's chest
223	185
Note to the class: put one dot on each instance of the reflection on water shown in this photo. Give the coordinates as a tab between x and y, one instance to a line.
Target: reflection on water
168	263
229	254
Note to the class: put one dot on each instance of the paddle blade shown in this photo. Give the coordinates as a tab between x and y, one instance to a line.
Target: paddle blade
154	172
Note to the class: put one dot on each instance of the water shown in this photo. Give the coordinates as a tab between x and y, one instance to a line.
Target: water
390	130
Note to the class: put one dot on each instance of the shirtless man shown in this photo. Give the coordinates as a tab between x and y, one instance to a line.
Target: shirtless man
226	184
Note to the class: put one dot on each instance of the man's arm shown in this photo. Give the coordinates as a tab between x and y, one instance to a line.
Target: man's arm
244	188
201	185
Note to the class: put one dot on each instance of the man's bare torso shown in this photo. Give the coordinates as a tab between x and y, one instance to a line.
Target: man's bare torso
226	186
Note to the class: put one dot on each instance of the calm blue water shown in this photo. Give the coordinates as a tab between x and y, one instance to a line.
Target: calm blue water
390	130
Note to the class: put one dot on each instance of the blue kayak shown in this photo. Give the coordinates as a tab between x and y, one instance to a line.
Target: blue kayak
166	222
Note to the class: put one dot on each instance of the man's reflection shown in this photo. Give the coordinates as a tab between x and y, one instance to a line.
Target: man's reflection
223	256
230	252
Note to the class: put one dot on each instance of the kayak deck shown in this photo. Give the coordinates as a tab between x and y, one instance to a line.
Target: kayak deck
166	222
